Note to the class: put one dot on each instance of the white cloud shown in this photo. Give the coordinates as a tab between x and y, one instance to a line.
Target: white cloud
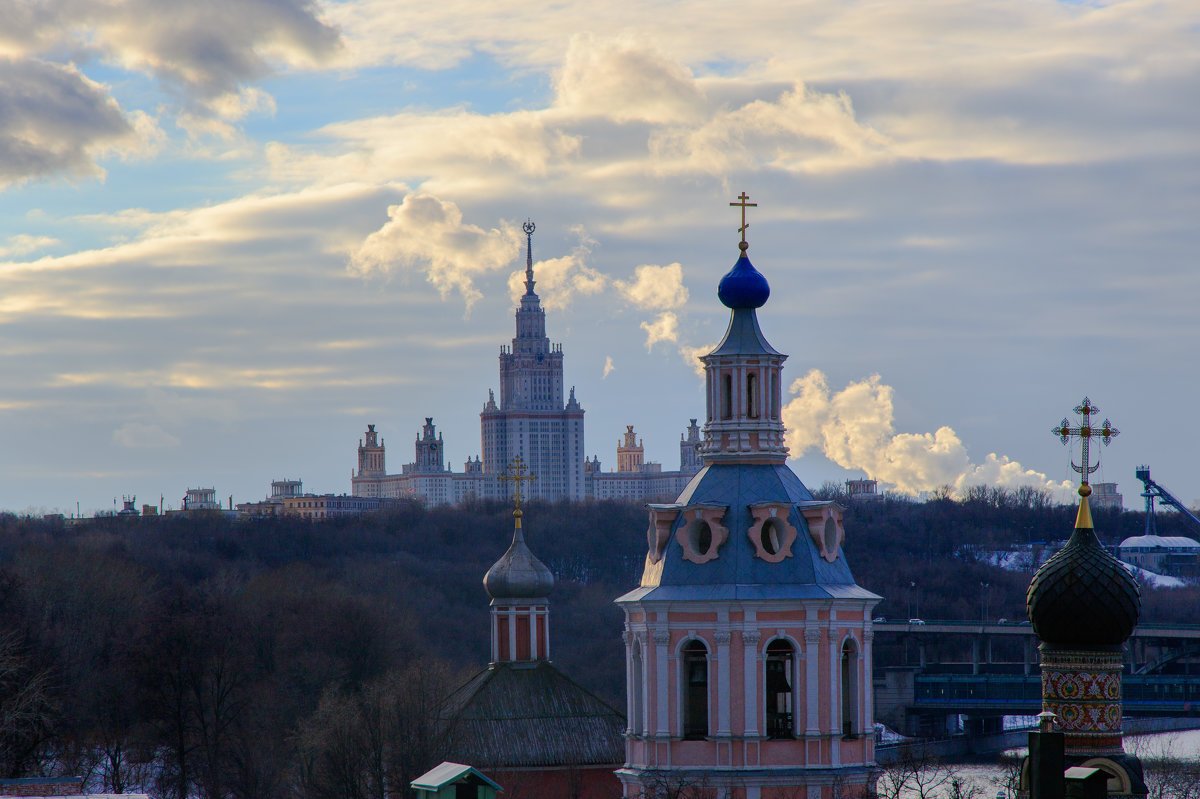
655	288
559	280
691	356
608	367
23	244
625	81
854	429
665	327
135	435
427	235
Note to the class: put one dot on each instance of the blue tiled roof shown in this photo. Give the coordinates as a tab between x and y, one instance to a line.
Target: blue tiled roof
744	337
737	572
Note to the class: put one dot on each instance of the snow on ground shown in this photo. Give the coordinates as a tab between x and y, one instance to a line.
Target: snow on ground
1152	579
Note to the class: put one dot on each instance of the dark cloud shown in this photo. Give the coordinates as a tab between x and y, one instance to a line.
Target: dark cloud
52	120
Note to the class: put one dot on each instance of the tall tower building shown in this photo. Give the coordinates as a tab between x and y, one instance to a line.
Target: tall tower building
747	643
531	420
430	456
689	449
630	453
371	455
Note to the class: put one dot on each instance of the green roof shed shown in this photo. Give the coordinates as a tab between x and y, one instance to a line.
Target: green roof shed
455	781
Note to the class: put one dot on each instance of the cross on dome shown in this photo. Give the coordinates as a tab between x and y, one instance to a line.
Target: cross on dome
1085	433
516	473
744	205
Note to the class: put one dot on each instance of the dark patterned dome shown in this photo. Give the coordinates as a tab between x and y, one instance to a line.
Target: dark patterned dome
1083	597
518	574
743	286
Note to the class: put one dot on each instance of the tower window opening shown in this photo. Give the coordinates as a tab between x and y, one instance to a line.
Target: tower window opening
726	396
635	677
779	695
850	667
700	537
774	398
771	536
752	395
695	690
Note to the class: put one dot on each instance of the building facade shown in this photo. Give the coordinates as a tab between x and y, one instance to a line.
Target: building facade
533	419
638	480
747	643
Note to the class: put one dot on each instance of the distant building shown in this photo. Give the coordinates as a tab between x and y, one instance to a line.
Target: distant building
1172	555
201	499
635	479
1104	495
426	478
531	420
862	489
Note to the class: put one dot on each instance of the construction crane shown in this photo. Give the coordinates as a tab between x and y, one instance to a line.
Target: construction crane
1155	491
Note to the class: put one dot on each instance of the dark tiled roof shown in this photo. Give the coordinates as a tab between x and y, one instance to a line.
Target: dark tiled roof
531	715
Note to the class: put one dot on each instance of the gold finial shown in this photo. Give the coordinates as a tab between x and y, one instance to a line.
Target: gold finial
744	205
516	473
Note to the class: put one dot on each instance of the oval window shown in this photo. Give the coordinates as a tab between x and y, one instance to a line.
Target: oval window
831	538
700	537
771	537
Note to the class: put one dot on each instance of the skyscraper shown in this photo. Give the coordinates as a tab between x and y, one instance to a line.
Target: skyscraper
531	420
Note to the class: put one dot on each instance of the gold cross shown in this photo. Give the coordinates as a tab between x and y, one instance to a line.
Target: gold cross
516	472
744	205
1085	433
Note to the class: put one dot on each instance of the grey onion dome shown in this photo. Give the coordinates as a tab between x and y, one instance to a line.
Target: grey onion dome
1083	597
518	574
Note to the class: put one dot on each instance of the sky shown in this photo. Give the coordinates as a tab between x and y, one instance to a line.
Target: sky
232	234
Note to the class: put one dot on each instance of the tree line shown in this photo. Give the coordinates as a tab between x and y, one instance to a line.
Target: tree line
202	656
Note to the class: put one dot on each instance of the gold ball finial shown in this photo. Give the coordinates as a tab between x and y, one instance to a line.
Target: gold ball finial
1085	490
743	246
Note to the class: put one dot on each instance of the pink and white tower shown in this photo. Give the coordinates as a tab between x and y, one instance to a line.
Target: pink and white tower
748	643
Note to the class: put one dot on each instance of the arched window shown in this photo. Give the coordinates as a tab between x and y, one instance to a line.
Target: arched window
774	397
635	715
779	695
850	727
752	395
695	690
726	396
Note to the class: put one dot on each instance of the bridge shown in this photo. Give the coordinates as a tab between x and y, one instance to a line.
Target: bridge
928	671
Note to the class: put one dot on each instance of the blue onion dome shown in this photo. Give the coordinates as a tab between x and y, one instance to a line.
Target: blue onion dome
518	574
743	286
1083	598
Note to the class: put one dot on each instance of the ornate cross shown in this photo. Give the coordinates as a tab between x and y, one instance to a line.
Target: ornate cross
1085	433
744	205
516	473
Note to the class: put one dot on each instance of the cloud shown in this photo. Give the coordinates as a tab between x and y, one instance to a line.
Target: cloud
143	436
53	120
803	131
665	327
24	243
426	235
608	367
655	288
691	356
625	81
854	429
559	280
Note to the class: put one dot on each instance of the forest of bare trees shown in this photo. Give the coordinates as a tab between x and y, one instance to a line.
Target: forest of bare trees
237	659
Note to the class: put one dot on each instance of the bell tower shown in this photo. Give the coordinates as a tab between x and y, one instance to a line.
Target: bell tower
747	643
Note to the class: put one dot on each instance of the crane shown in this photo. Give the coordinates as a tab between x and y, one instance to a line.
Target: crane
1155	491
